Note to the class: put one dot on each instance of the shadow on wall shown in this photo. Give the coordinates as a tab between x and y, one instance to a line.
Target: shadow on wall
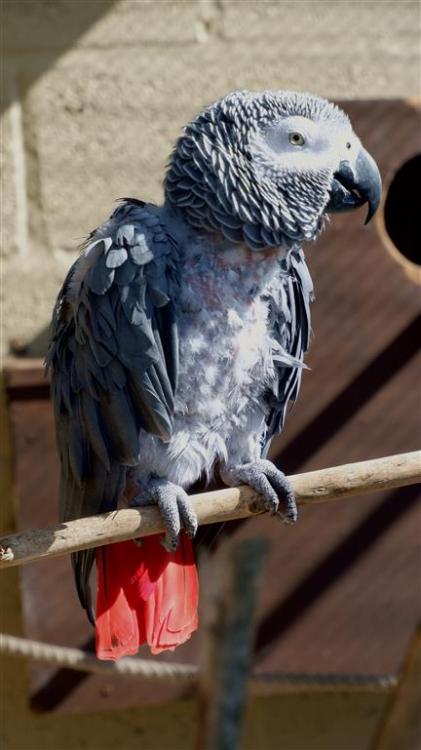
36	347
54	30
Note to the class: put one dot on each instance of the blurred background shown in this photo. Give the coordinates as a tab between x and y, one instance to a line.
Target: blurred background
94	95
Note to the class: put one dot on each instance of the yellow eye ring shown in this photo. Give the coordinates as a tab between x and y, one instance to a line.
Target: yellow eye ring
296	139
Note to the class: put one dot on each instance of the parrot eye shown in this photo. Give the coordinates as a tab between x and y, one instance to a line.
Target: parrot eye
296	139
348	145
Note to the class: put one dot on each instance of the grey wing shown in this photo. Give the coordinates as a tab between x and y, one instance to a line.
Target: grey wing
113	360
289	321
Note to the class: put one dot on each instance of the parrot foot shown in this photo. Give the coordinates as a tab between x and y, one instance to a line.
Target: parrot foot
174	506
269	482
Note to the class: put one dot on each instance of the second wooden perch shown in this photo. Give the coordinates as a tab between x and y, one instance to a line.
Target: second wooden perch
211	507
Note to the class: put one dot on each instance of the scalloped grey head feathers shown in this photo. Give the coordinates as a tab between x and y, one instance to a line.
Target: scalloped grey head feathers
212	177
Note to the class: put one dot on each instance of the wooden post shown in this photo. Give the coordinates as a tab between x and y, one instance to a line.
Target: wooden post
228	645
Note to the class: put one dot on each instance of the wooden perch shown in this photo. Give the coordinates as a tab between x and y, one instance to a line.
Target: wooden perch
211	507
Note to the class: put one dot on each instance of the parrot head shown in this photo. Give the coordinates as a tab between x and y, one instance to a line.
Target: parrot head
265	168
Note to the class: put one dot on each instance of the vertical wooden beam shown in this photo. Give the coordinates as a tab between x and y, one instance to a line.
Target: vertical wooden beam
228	643
401	728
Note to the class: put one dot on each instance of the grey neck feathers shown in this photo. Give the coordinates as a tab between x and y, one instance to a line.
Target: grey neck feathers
212	176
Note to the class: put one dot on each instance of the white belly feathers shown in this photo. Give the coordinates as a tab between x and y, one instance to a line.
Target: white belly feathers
225	365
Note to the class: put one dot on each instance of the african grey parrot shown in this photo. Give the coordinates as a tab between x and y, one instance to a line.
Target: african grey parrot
178	342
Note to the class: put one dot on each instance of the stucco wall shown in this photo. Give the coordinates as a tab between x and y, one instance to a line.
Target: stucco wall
95	94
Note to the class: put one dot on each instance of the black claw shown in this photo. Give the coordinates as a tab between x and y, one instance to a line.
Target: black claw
191	530
290	514
170	544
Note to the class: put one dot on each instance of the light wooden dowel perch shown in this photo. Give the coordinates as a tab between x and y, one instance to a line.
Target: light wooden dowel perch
211	507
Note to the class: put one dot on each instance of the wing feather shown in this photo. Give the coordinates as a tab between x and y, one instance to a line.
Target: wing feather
114	362
289	321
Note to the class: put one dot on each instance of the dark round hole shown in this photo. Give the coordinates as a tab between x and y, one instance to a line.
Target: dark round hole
402	209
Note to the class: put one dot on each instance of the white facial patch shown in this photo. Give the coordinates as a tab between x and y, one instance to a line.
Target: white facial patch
297	143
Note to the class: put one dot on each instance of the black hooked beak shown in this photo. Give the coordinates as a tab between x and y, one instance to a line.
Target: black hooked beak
356	184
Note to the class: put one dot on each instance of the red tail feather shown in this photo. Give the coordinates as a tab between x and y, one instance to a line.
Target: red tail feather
145	594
